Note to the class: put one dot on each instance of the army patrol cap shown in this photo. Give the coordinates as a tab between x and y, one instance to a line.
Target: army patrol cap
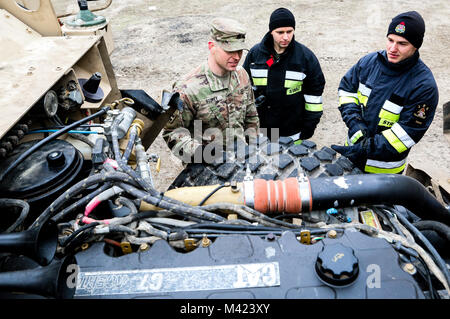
228	34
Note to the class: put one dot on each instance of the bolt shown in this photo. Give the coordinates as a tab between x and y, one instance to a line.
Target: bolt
234	187
205	241
332	234
409	268
144	247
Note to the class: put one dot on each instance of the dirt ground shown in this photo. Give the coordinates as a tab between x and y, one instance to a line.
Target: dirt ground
158	41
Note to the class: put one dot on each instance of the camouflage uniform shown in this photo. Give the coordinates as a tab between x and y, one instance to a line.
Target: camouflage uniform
223	103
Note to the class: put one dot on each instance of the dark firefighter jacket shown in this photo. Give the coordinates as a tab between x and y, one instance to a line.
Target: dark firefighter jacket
292	87
393	104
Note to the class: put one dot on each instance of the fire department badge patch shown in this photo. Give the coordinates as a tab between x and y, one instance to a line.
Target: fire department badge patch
400	28
421	113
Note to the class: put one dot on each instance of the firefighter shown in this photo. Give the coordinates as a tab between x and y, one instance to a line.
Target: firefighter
388	100
287	79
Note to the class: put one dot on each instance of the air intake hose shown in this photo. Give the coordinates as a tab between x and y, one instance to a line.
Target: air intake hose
299	195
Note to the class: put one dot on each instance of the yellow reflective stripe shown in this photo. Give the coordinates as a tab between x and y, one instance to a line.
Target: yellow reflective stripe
314	107
292	84
386	123
394	141
347	99
389	116
377	170
362	99
260	81
356	137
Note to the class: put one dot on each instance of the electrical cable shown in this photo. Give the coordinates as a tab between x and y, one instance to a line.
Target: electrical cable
78	231
55	130
128	203
122	164
130	145
8	202
142	182
427	276
438	259
81	202
212	193
185	210
80	187
250	214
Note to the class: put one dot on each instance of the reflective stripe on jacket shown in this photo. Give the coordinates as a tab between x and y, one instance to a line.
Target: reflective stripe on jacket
292	86
394	103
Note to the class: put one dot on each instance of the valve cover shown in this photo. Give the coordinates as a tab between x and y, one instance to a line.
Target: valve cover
246	267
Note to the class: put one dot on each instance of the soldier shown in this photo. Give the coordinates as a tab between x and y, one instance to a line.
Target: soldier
218	98
388	100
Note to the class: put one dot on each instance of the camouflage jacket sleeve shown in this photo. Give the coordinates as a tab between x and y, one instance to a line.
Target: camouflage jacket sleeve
251	121
176	132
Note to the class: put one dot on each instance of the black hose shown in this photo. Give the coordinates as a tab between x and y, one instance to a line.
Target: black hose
438	259
377	189
60	132
440	228
8	202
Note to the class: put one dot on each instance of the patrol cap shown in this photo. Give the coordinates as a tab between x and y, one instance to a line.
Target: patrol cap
228	34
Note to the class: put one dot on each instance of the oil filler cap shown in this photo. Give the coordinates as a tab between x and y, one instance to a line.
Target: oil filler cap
337	265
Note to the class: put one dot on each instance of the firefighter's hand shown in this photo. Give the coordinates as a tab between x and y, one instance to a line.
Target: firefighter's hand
355	153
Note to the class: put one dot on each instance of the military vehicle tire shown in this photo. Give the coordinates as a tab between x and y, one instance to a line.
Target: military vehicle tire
269	161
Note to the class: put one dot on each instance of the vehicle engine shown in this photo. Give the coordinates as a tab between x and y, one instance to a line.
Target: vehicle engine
81	217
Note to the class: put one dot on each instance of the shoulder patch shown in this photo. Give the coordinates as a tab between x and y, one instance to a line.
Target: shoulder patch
421	113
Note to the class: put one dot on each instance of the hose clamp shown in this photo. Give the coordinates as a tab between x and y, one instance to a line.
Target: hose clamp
249	194
305	192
